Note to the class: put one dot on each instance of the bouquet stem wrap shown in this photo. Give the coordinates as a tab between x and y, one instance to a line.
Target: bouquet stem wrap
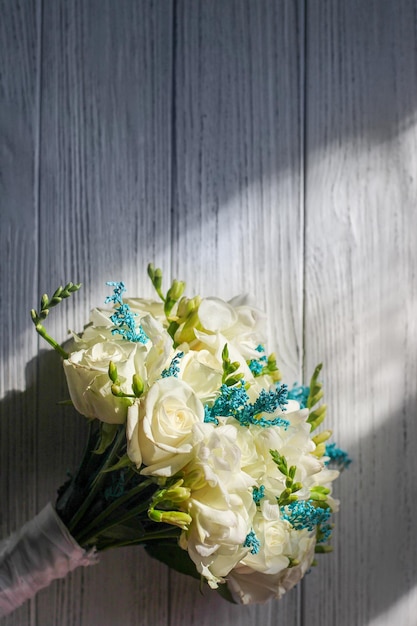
40	552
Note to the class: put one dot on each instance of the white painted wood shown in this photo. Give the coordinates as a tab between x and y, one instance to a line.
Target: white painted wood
105	213
187	133
19	79
237	182
238	159
360	308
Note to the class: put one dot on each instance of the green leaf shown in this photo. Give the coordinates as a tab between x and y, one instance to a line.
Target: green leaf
315	387
323	549
124	532
224	592
124	461
107	435
176	558
173	556
317	416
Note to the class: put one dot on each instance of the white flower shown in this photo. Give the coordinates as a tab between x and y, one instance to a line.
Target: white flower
218	531
88	381
143	307
249	586
203	372
161	348
273	535
217	454
240	323
160	427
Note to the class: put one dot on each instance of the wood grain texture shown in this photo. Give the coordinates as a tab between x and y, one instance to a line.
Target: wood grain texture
104	185
19	95
238	172
245	147
361	263
105	212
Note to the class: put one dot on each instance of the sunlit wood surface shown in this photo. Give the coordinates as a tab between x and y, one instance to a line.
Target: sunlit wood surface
256	146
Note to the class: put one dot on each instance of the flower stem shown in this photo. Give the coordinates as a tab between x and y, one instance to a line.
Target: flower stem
146	538
41	330
95	487
115	505
86	540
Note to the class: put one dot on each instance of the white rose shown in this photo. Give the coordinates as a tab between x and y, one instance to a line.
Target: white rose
218	456
239	322
143	307
161	348
89	383
251	462
162	422
203	372
249	586
215	344
273	535
218	531
97	330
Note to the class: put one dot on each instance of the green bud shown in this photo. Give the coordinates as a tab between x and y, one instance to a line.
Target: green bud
176	290
137	385
296	487
318	497
322	437
320	450
44	301
182	311
175	518
225	353
320	489
323	549
285	496
233	380
157	279
151	271
316	417
113	372
177	493
116	391
195	480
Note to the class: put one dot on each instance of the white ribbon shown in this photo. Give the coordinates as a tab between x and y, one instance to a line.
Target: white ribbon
31	558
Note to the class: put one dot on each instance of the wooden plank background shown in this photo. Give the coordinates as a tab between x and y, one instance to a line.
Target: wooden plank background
261	146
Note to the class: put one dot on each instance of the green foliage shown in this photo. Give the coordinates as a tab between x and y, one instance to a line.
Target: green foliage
230	377
291	487
138	385
48	303
319	493
107	435
317	416
176	558
173	294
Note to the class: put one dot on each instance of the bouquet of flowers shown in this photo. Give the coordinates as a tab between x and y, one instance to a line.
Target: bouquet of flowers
196	451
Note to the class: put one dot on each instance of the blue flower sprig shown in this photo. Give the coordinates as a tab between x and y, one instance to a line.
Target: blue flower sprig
337	456
174	368
234	402
252	542
303	514
123	318
264	365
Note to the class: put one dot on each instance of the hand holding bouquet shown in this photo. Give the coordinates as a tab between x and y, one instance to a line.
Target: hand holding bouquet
196	449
